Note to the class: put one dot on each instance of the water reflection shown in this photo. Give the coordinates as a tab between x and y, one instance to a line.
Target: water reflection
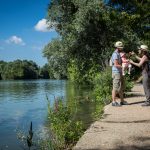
85	107
24	101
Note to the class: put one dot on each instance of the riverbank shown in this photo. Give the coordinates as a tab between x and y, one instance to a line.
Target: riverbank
121	128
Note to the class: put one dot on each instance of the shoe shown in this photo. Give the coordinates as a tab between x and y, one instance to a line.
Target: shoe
124	103
146	104
116	104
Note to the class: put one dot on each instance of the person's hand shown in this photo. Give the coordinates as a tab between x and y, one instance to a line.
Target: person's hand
130	61
132	53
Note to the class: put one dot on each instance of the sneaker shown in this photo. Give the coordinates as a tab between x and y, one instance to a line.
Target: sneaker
146	104
124	103
116	104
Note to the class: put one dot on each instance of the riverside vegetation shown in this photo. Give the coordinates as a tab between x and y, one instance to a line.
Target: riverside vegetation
63	127
87	31
24	69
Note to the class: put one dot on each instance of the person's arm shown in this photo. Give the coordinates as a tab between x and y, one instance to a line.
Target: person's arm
124	60
116	61
116	64
143	59
137	57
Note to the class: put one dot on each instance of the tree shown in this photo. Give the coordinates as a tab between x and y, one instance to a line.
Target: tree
19	69
136	14
2	65
44	72
57	58
88	30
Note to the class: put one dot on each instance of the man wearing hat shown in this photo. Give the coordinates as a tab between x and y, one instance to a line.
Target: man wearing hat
144	63
117	74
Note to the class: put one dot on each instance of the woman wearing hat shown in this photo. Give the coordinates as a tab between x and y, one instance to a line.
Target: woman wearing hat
144	64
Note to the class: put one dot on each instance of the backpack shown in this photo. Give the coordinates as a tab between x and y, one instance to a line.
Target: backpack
111	63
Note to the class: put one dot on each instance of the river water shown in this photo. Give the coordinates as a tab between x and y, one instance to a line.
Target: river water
24	101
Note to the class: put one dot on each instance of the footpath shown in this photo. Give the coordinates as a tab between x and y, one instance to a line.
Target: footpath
120	128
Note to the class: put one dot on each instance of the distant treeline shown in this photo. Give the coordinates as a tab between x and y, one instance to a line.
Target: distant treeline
24	69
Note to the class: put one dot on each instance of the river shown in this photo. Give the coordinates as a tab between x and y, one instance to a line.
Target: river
24	101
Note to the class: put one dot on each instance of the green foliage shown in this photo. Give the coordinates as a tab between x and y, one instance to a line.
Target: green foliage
128	83
57	59
88	30
45	73
136	16
65	131
2	66
79	75
24	69
103	86
19	70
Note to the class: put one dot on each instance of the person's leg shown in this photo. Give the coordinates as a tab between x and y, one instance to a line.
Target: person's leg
129	68
121	89
114	96
116	86
114	102
123	69
146	86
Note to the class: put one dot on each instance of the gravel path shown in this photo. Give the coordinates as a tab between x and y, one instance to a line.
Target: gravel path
121	128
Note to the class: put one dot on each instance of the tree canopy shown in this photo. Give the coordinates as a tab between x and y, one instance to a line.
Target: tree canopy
22	69
87	33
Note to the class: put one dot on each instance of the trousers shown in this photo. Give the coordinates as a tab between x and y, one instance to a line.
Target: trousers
146	86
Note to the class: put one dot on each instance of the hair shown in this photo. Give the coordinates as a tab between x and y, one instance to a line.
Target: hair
146	53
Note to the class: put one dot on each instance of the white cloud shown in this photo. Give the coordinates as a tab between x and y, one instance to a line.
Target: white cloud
42	26
15	40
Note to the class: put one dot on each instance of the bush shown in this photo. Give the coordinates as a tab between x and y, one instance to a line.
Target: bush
103	86
65	130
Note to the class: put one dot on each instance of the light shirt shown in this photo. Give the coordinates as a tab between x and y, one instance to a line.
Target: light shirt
116	55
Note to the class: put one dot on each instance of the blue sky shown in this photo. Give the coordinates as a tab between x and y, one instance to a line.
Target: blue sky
23	31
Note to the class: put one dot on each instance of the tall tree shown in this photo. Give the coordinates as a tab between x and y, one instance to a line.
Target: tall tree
136	13
88	30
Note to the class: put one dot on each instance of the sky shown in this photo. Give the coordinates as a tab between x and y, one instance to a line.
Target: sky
23	30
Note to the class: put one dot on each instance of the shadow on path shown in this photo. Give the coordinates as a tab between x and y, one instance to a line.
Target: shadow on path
136	103
136	121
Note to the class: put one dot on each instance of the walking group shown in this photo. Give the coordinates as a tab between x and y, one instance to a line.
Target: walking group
120	63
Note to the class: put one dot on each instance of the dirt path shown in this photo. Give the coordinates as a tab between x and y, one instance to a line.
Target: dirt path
121	128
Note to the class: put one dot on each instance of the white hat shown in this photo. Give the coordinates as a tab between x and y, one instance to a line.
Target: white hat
119	44
144	47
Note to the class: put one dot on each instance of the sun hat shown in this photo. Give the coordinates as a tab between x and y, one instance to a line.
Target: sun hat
144	47
119	44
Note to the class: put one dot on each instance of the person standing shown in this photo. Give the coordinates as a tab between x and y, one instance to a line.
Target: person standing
144	63
117	75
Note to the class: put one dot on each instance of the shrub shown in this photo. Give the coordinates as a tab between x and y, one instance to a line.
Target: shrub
103	86
65	130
